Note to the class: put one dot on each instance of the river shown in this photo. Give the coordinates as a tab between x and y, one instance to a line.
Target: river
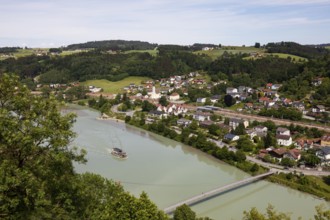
170	172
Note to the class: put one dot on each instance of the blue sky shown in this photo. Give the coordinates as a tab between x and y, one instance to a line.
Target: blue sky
53	23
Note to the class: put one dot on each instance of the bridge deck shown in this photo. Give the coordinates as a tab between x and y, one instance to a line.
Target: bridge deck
214	192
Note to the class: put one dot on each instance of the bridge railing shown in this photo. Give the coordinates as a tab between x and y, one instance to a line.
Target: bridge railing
214	192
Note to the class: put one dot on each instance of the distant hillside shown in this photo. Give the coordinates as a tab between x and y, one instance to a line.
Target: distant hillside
113	45
296	49
9	49
134	45
319	45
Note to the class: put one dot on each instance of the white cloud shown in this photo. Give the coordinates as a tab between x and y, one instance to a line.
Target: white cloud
161	21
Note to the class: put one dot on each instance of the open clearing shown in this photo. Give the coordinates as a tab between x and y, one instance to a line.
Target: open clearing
115	87
285	56
151	52
214	54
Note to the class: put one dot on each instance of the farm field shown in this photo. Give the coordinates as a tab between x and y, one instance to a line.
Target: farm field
285	56
70	52
151	52
114	87
214	54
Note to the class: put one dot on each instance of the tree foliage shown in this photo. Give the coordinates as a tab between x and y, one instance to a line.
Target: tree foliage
38	180
271	214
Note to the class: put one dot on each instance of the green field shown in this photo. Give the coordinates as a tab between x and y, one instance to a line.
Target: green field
151	52
23	53
115	87
214	54
27	52
70	52
285	56
327	47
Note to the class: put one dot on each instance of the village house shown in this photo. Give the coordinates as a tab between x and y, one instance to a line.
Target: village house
283	136
215	98
205	124
243	96
287	102
231	90
201	100
157	114
318	109
252	133
278	153
325	140
276	86
299	105
304	144
324	154
317	81
264	100
231	137
241	89
283	140
261	130
249	90
183	122
248	105
283	131
224	127
172	109
234	122
202	116
174	97
293	154
269	85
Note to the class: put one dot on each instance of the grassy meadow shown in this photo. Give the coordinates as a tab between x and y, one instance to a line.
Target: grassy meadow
115	87
285	56
151	52
214	54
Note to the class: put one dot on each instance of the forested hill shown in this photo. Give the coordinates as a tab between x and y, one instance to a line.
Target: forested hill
238	68
124	45
296	49
113	45
9	49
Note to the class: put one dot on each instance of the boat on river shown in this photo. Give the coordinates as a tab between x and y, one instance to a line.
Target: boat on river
119	153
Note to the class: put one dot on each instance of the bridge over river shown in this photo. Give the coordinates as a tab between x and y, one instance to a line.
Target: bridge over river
217	191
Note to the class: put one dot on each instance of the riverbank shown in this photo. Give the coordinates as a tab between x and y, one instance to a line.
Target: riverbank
316	186
235	159
300	182
170	172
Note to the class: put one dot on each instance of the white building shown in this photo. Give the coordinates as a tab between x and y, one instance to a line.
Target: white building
154	94
174	97
284	140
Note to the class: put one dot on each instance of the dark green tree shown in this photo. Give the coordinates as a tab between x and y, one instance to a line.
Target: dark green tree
183	212
35	161
163	101
229	100
288	162
38	180
269	140
240	130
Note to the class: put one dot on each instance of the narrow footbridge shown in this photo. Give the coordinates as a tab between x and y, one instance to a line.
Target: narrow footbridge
214	192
